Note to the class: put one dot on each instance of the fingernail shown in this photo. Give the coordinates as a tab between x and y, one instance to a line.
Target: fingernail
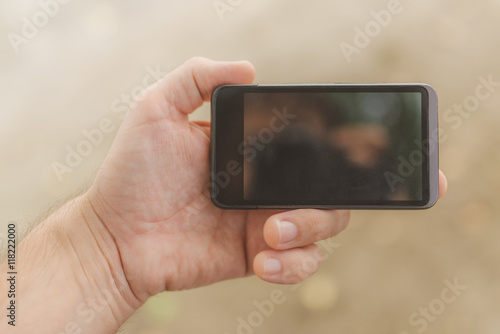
287	231
272	266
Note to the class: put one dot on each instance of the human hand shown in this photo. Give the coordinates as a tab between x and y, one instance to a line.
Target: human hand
151	194
147	225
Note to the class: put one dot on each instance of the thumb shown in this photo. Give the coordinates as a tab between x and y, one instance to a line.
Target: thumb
191	84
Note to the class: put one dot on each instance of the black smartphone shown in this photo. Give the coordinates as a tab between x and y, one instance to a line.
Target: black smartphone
351	146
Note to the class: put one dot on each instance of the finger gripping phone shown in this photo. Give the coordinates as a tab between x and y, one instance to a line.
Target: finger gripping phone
351	146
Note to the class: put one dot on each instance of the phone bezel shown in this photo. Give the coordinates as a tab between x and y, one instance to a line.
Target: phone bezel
227	134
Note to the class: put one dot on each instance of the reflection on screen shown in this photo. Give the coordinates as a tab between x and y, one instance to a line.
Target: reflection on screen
331	146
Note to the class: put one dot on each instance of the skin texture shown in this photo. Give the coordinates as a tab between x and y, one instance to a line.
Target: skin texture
160	200
147	225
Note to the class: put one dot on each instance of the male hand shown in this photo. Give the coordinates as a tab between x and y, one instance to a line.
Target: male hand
151	194
147	225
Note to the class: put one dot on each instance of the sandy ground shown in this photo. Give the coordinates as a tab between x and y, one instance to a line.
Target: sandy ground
387	265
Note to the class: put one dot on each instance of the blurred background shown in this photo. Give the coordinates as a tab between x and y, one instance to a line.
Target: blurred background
66	68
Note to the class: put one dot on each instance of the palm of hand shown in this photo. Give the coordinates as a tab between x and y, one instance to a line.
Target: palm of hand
169	235
151	196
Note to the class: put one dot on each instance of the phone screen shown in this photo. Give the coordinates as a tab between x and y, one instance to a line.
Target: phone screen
342	147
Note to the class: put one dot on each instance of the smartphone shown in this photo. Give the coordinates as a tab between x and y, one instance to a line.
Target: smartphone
336	146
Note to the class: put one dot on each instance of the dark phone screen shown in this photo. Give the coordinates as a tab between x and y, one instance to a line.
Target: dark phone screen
334	146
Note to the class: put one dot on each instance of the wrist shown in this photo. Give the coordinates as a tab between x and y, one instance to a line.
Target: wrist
95	262
71	278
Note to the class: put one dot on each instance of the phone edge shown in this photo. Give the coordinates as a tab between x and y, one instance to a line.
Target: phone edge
433	163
